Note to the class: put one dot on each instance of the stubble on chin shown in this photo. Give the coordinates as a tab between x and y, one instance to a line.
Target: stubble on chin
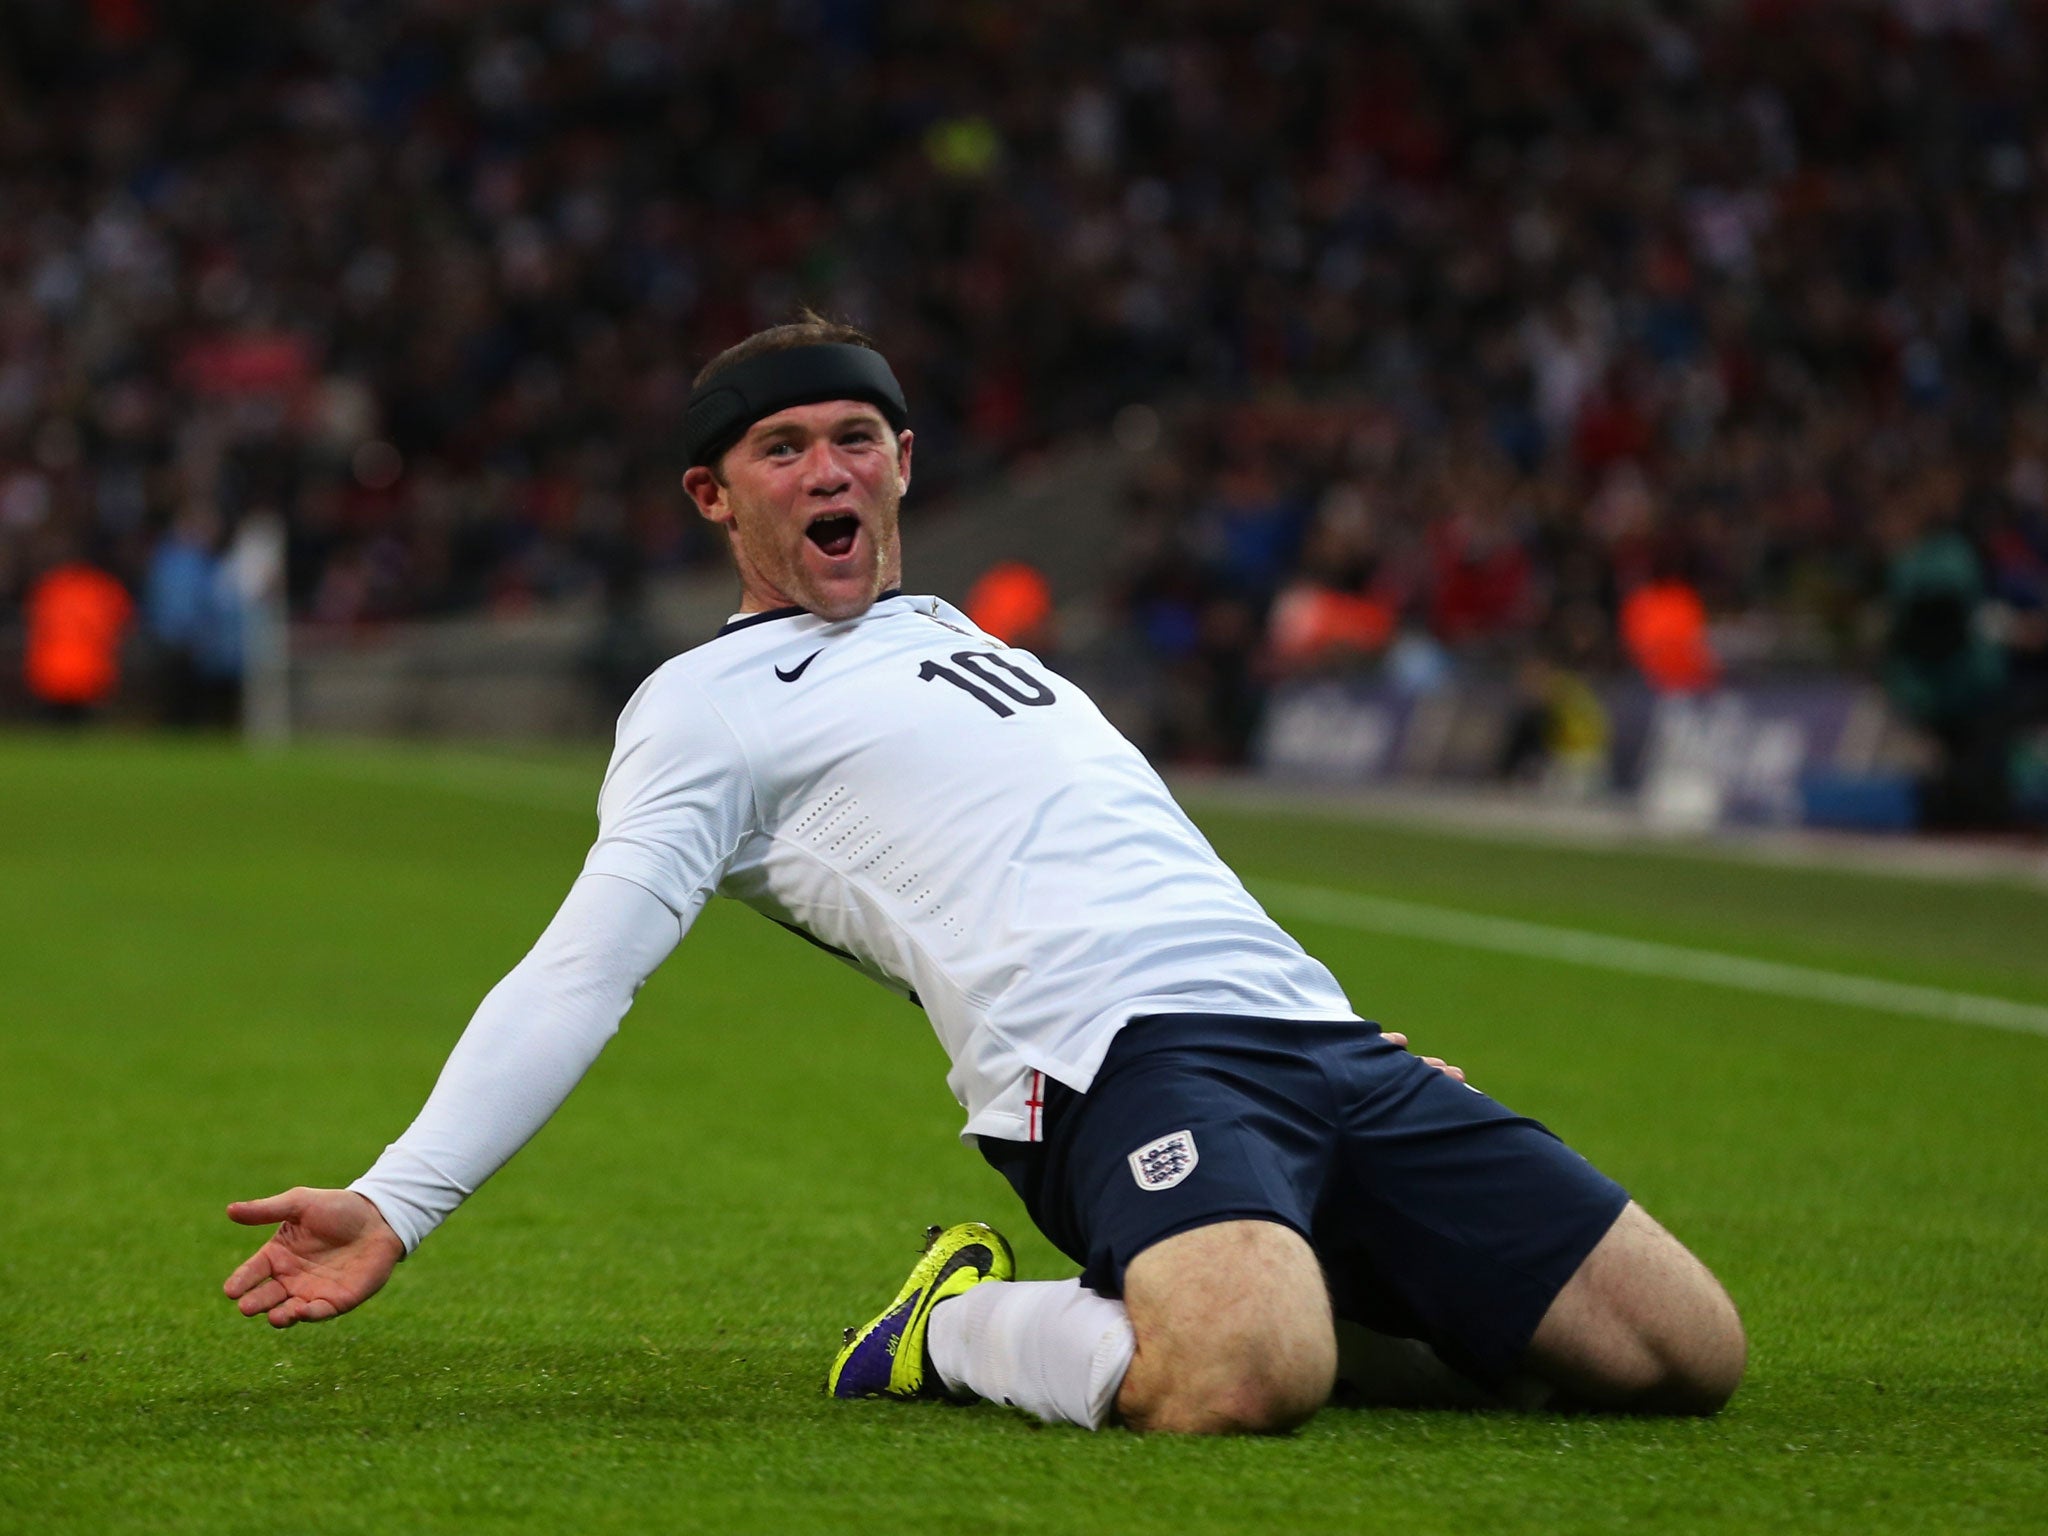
844	604
796	584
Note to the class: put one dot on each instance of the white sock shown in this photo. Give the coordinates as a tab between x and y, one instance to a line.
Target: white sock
1046	1346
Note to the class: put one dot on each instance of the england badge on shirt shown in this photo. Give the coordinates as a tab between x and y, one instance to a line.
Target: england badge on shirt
1164	1163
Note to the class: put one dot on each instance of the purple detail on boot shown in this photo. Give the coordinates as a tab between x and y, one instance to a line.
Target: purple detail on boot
866	1372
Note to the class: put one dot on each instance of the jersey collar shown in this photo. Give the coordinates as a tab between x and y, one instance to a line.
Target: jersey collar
748	620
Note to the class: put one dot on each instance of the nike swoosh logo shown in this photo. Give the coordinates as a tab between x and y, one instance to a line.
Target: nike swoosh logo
797	671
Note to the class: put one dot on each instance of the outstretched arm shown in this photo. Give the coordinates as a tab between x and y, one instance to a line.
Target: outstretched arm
529	1043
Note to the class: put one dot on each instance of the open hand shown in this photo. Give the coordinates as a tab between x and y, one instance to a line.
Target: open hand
333	1252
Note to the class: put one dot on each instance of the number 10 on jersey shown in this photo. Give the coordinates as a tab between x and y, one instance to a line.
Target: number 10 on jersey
974	672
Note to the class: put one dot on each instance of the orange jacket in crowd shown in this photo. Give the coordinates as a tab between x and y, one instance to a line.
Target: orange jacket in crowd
76	618
1664	626
1311	621
1013	602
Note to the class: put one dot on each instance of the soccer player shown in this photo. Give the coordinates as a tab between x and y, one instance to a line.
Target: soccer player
1184	1099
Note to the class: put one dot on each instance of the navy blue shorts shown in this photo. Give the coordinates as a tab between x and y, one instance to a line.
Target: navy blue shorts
1437	1213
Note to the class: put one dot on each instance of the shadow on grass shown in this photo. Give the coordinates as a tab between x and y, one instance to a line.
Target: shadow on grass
695	1392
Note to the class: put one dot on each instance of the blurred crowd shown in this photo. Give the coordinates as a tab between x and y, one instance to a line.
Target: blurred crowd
1479	318
1644	342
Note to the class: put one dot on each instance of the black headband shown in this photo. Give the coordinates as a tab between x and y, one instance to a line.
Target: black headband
724	406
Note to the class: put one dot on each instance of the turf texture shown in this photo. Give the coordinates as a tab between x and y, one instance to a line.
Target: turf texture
225	975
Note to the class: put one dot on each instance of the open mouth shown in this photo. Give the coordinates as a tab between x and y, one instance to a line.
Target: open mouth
834	534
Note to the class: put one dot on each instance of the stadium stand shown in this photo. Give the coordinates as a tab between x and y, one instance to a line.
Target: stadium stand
1463	319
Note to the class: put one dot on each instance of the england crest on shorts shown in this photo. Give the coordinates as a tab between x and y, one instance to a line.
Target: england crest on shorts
1164	1163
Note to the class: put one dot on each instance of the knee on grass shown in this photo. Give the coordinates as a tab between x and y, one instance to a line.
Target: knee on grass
1243	1405
1643	1327
1261	1384
1233	1332
1693	1371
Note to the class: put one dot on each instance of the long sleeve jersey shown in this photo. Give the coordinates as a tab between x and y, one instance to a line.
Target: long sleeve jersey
938	809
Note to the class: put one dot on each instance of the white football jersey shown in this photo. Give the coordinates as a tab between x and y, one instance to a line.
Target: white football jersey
947	815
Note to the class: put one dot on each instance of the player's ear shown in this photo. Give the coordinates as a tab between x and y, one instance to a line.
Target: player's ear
708	492
903	440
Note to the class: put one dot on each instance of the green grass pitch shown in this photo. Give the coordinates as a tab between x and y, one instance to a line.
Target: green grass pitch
225	975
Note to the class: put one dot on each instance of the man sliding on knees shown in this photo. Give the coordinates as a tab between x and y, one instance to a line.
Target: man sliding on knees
1266	1192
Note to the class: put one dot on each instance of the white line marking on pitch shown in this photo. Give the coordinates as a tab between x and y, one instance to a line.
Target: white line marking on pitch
1574	946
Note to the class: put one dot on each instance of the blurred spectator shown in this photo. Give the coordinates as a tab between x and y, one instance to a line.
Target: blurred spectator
1313	623
1560	732
626	648
193	616
77	616
1012	601
1944	673
1417	664
1339	605
1664	627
